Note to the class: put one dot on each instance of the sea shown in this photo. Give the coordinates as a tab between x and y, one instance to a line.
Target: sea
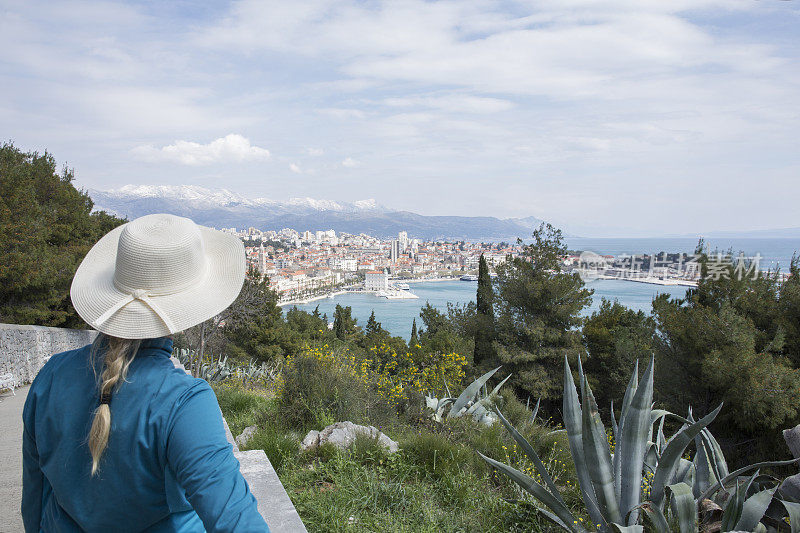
396	316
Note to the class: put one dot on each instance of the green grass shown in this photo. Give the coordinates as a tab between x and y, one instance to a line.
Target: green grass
435	483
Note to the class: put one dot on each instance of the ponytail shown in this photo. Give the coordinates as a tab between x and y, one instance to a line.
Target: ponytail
119	354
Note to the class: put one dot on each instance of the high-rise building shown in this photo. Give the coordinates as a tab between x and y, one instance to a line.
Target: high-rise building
403	238
394	252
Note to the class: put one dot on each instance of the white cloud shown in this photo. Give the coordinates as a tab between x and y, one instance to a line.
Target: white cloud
231	148
349	162
295	168
315	152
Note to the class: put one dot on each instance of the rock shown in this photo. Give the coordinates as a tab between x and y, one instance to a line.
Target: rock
790	488
246	435
311	440
792	438
343	434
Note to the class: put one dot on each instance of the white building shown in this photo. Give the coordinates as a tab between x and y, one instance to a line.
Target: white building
394	252
376	280
403	238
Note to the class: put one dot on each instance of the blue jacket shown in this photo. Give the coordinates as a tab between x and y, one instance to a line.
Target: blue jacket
168	466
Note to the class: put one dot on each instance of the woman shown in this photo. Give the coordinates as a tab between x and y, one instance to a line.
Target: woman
115	437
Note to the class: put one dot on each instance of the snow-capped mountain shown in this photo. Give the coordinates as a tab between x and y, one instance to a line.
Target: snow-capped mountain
203	198
224	208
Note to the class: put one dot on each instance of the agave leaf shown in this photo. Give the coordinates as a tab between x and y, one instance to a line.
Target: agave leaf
657	414
598	458
627	529
651	458
736	473
497	388
469	393
683	506
672	453
553	518
702	467
754	508
532	455
614	426
538	491
535	411
733	510
685	472
633	443
654	518
573	426
721	466
661	440
794	515
630	390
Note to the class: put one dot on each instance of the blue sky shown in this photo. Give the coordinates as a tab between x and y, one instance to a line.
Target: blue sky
628	117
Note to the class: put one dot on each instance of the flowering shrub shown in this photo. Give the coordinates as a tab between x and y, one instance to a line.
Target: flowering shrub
394	375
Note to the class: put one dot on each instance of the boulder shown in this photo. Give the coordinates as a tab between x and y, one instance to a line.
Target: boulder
245	436
343	435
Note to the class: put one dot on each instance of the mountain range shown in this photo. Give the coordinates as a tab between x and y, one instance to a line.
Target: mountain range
223	208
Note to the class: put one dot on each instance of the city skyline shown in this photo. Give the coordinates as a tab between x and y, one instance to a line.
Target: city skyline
619	119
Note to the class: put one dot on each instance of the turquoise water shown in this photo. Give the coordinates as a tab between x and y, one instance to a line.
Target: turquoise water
396	315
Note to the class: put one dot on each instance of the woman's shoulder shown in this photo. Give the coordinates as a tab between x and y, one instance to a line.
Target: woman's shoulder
58	362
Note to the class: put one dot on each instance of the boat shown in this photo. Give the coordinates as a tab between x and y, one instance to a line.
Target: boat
469	277
403	286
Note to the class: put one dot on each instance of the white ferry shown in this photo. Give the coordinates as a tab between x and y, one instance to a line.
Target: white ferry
469	277
403	286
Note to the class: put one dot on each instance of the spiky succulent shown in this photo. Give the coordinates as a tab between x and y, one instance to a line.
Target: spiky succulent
646	480
474	401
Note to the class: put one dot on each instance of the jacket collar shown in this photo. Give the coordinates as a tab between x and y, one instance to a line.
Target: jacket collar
160	343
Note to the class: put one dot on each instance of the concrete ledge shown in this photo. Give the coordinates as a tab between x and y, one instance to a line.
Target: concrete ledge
273	502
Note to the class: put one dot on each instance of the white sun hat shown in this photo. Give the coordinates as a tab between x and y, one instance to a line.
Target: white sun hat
157	275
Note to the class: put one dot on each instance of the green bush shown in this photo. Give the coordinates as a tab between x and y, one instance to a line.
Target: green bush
315	394
280	447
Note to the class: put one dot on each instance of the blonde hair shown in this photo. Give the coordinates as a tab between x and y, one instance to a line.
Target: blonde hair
119	354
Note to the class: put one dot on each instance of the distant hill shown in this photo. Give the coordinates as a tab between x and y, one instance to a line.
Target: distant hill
222	208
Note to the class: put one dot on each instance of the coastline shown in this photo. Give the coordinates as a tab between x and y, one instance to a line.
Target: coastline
312	299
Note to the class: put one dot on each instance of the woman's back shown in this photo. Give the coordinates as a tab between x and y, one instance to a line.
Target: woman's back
166	455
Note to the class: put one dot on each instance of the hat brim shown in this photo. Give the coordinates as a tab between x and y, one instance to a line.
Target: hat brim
93	291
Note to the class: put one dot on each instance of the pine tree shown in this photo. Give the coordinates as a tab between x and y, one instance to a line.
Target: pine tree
46	228
414	340
538	316
484	326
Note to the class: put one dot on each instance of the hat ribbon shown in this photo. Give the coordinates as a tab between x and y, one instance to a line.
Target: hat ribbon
141	295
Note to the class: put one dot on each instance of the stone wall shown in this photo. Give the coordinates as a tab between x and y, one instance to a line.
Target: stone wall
25	349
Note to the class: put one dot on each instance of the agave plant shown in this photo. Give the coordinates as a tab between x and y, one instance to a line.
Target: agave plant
646	480
474	401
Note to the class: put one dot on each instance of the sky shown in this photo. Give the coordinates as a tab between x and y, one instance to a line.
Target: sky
607	118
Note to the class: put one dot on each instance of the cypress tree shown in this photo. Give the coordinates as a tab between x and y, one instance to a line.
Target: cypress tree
484	330
414	335
373	326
